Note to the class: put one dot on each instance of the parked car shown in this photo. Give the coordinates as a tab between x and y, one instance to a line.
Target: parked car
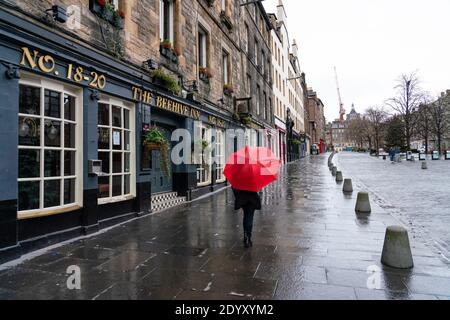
315	149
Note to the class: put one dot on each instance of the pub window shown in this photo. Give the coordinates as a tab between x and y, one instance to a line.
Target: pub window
115	149
202	47
226	67
166	20
204	166
220	155
50	148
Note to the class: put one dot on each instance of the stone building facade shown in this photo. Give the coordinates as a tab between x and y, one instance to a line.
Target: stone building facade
287	89
316	120
85	82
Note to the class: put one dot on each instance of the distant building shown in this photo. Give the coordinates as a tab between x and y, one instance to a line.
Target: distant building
316	127
338	136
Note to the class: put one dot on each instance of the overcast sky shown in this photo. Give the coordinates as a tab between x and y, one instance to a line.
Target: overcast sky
371	43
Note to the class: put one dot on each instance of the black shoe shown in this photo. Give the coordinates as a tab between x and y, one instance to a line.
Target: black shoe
246	241
250	243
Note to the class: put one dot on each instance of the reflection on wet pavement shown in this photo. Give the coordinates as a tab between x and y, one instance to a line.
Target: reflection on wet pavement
308	244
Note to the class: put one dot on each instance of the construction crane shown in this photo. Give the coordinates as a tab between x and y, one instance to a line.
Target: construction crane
341	104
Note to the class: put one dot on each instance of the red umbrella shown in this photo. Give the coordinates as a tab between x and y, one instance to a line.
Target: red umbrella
252	168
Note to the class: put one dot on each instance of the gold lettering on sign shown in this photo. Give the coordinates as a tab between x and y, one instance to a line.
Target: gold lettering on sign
142	95
216	121
46	63
31	59
46	60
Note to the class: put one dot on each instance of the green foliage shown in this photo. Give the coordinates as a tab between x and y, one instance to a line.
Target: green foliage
395	134
168	81
155	136
296	142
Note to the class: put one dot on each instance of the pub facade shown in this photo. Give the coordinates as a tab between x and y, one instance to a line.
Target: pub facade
85	85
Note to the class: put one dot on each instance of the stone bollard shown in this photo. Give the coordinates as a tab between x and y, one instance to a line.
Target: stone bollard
396	249
363	203
339	177
334	171
424	165
348	186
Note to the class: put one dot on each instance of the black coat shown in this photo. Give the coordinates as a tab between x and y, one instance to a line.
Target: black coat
243	198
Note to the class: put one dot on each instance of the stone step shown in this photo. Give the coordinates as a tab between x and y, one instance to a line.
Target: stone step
163	205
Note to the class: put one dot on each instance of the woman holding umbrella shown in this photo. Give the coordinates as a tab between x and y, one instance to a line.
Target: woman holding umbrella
249	170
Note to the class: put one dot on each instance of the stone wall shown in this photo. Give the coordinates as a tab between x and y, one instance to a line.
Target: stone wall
139	40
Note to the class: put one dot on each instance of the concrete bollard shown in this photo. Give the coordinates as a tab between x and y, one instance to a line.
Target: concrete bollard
348	186
334	171
424	165
339	177
363	203
396	249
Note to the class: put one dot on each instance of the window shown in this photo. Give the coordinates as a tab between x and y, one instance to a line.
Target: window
223	5
264	105
220	155
204	169
50	148
249	85
263	62
258	98
202	47
247	39
166	24
115	149
226	67
256	52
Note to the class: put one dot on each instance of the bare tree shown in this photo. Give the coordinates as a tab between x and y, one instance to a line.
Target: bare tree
424	121
407	102
376	117
440	119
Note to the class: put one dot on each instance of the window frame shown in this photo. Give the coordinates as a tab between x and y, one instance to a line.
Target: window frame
64	89
202	171
226	72
123	105
162	21
220	150
202	43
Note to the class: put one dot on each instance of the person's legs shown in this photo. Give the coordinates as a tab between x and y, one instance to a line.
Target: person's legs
249	213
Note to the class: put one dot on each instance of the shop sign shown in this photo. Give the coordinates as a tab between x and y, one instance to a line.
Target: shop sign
215	121
73	72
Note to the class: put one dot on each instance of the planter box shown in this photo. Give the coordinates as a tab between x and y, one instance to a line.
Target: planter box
168	54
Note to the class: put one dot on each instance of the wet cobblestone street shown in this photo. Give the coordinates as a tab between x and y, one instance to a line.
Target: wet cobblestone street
308	244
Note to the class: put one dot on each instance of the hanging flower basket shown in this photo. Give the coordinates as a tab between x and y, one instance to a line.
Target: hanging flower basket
154	139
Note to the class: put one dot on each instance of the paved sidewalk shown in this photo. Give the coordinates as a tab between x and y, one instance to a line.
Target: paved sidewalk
308	244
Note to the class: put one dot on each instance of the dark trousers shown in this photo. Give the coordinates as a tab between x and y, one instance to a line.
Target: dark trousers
249	212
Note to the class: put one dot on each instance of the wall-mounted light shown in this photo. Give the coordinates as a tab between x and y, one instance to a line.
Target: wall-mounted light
12	71
58	13
95	95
